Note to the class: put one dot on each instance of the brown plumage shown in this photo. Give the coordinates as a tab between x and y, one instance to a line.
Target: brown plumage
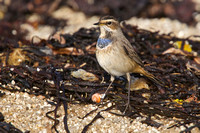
115	53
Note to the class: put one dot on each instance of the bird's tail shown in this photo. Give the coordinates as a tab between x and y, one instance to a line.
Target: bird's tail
150	76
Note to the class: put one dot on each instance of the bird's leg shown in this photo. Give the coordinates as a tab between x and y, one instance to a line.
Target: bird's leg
112	78
129	86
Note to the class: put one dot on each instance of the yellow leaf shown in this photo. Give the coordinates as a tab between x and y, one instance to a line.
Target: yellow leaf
186	46
179	101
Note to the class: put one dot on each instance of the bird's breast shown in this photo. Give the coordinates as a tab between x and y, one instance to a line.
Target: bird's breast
103	42
113	60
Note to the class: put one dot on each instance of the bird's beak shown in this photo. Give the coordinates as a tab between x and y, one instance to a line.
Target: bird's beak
97	23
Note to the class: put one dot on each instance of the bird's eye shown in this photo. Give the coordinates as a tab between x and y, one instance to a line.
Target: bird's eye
109	23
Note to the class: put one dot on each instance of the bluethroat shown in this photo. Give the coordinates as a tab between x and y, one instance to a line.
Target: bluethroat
116	55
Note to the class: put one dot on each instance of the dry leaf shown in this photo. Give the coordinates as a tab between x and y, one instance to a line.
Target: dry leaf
17	57
84	75
173	51
197	60
68	51
192	98
194	66
82	65
138	84
58	36
67	65
91	48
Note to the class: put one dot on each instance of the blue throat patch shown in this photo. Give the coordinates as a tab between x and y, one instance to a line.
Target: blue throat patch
102	42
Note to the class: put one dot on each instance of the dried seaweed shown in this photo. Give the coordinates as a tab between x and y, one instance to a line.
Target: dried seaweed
94	119
45	73
8	127
97	116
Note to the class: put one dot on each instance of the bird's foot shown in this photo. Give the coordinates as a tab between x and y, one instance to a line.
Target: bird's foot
102	98
127	106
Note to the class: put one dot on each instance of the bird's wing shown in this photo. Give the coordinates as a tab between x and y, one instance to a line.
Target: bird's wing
131	52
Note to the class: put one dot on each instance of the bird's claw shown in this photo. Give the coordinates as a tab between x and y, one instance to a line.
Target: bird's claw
127	106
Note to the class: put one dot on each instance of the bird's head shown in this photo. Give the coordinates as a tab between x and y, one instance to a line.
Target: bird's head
108	24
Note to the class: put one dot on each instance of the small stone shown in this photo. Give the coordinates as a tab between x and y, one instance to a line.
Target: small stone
13	82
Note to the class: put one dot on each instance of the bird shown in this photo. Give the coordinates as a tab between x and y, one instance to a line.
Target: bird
116	55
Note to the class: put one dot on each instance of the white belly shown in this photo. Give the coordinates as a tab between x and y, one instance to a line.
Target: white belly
113	61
